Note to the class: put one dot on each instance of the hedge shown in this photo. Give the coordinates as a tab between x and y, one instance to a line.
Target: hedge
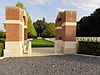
88	47
1	46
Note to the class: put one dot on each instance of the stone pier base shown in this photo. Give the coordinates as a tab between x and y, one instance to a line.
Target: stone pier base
29	48
65	47
58	46
69	47
13	49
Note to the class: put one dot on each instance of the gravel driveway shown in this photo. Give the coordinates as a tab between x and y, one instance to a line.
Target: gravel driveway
51	65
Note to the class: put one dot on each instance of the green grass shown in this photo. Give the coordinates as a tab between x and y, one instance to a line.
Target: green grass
1	45
42	43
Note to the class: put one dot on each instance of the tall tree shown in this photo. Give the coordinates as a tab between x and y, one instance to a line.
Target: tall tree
31	29
49	31
89	25
40	25
4	24
19	4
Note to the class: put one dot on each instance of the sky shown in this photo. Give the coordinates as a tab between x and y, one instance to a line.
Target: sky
49	9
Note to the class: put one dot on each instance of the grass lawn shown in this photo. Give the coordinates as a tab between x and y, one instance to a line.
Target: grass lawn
1	45
42	43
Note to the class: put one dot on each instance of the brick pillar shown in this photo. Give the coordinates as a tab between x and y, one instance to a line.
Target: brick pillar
68	29
58	30
14	32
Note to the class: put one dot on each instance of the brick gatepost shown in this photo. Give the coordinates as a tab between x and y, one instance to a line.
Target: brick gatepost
66	32
16	31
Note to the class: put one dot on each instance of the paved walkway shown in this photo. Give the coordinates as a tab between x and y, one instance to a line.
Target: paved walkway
48	50
42	52
51	65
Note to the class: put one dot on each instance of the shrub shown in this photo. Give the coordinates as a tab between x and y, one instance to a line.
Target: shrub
1	46
89	47
2	34
1	49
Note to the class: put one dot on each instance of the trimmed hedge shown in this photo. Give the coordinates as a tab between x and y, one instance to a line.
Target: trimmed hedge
1	49
89	47
2	41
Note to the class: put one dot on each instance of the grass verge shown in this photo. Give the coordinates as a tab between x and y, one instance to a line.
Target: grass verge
42	43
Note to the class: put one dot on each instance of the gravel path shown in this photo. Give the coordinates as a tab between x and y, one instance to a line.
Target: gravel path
51	65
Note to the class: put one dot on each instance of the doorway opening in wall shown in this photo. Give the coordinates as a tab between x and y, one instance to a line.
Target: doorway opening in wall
60	38
45	34
43	43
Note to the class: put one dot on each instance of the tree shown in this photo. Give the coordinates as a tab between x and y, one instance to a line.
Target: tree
2	34
4	25
45	34
49	31
89	25
19	4
31	29
40	25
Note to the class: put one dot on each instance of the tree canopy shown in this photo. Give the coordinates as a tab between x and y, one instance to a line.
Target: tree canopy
40	25
31	29
49	31
89	26
19	4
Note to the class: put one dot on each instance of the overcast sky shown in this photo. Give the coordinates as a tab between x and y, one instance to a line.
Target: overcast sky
38	9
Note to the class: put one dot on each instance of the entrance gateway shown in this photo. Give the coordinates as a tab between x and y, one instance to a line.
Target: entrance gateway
16	32
17	43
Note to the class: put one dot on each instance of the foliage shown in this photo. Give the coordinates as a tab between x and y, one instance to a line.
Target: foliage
89	25
1	46
2	34
40	25
31	29
4	25
42	43
19	4
49	31
89	47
